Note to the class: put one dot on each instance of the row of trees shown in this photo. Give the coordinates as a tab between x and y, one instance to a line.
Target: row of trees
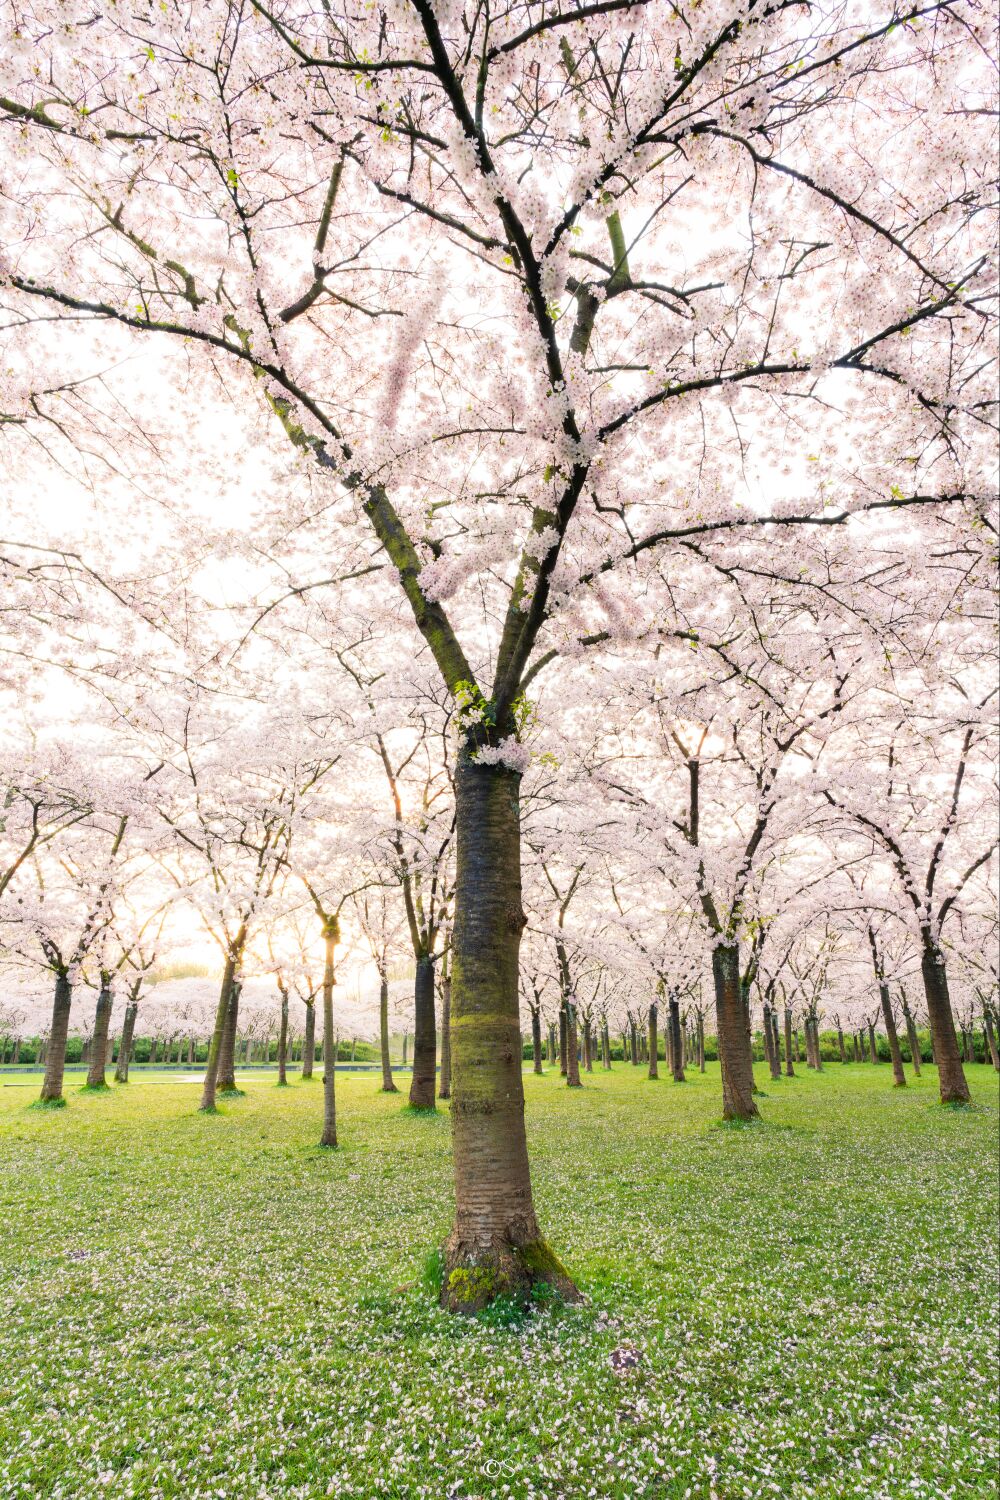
607	389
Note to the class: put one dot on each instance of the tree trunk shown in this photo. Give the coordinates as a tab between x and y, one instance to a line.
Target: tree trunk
424	1078
654	1042
536	1039
226	1076
605	1047
889	1022
734	1043
701	1044
817	1057
951	1075
840	1044
872	1043
125	1045
283	1042
991	1040
55	1059
552	1044
210	1085
771	1041
572	1049
495	1247
677	1048
309	1042
331	935
588	1045
633	1042
789	1066
388	1086
912	1039
99	1047
444	1088
563	1050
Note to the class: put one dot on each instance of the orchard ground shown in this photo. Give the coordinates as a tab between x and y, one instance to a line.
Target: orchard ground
199	1307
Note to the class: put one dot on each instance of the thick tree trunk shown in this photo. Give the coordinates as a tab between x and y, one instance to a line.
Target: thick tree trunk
309	1042
536	1039
734	1044
677	1044
283	1042
99	1047
991	1041
572	1049
789	1066
495	1247
331	936
226	1076
125	1045
444	1087
210	1085
55	1057
653	1042
951	1075
424	1078
388	1087
889	1022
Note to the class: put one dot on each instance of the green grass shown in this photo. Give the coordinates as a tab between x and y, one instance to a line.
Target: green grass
197	1307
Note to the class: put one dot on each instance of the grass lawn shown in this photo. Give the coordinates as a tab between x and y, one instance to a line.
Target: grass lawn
200	1307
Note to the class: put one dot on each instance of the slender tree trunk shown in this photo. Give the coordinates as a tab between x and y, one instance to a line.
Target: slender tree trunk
991	1040
951	1075
283	1042
677	1045
99	1046
789	1066
444	1088
331	936
125	1045
734	1043
633	1042
817	1055
889	1022
840	1044
406	1043
701	1044
424	1078
551	1044
588	1045
495	1247
771	1039
606	1047
563	1047
654	1042
388	1087
872	1043
536	1039
210	1085
309	1041
55	1057
913	1040
572	1049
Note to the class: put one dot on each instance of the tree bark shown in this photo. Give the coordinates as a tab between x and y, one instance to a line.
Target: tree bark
951	1075
424	1077
283	1042
872	1043
536	1039
889	1022
572	1049
734	1043
701	1044
495	1247
331	936
309	1041
771	1042
588	1045
99	1045
653	1042
912	1039
605	1047
991	1040
210	1085
563	1047
444	1089
677	1048
840	1044
789	1066
125	1045
226	1077
55	1057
